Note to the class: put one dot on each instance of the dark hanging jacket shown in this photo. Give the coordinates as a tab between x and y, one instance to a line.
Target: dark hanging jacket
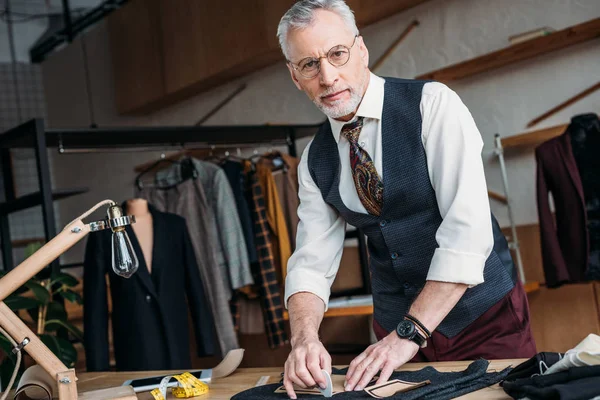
149	311
565	236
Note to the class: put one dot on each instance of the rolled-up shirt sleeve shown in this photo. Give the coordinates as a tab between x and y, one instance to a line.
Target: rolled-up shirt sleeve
319	241
453	147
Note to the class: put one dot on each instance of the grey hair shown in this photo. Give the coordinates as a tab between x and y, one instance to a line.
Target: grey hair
301	15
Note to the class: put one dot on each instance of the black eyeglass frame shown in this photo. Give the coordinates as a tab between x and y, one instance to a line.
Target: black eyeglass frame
296	67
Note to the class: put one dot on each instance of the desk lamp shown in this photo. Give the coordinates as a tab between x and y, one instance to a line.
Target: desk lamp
124	263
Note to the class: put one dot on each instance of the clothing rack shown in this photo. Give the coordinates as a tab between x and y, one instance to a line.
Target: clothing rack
34	135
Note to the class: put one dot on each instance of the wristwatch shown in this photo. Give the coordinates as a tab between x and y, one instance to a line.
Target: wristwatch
407	330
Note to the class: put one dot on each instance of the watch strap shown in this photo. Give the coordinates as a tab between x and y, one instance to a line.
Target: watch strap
419	339
419	323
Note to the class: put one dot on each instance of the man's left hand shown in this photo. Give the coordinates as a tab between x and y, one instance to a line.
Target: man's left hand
386	355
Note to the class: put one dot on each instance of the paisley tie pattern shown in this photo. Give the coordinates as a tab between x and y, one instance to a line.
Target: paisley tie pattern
366	179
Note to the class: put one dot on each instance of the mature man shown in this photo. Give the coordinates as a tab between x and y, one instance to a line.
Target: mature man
401	160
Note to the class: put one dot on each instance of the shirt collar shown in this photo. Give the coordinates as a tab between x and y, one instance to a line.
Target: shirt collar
371	105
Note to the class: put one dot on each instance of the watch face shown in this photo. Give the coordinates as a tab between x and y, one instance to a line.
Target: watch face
405	329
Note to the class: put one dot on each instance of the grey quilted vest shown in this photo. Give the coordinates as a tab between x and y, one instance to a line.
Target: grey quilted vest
402	241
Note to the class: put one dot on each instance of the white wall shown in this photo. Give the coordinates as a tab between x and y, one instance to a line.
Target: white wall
451	31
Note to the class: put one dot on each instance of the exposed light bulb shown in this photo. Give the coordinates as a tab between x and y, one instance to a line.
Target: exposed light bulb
124	259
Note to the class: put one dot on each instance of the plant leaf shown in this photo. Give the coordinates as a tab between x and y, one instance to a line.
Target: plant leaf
6	370
56	311
69	352
55	324
7	347
40	292
65	279
21	303
71	296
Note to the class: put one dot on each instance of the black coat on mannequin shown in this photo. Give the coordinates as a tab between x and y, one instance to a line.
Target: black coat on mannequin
149	310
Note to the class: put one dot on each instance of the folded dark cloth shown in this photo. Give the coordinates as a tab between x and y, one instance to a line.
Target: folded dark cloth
579	383
536	365
444	385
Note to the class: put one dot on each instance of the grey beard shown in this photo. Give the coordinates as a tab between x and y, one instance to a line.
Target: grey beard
336	111
351	106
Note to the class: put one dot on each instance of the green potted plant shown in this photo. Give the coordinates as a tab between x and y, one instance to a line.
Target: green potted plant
42	298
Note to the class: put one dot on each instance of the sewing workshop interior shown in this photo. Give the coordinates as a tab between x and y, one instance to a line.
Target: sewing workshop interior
285	199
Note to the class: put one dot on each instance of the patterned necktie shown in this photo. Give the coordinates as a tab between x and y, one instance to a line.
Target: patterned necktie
368	183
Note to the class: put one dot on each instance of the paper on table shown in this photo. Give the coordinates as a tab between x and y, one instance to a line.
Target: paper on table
390	388
337	384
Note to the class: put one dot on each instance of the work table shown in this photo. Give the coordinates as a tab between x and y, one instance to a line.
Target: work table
246	378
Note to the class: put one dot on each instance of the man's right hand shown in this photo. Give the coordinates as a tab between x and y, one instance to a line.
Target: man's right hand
304	364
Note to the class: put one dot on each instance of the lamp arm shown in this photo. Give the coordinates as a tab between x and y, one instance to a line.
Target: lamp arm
17	329
44	256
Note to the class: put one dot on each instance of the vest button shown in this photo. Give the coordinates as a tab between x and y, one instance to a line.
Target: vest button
383	223
394	256
148	298
406	285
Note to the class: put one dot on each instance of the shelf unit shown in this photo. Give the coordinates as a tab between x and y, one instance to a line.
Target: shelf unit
532	139
35	199
519	52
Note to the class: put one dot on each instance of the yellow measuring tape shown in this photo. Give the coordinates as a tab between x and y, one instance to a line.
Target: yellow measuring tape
189	386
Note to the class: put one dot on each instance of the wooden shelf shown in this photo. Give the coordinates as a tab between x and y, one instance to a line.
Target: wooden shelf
518	52
343	311
497	196
531	287
533	138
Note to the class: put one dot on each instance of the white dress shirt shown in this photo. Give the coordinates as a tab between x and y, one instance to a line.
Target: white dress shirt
453	147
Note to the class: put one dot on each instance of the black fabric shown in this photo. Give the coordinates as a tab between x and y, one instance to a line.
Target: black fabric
149	322
402	240
237	180
536	365
444	385
584	131
580	383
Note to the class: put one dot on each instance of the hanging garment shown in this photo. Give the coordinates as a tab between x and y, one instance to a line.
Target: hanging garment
443	385
275	217
585	143
566	243
237	179
286	181
264	271
149	311
224	222
188	200
580	383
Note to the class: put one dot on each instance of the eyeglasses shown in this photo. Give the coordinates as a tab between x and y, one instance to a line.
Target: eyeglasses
338	56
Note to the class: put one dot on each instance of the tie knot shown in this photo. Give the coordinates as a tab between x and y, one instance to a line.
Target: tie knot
352	130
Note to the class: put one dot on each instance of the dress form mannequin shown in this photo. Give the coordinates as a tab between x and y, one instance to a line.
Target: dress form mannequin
143	227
